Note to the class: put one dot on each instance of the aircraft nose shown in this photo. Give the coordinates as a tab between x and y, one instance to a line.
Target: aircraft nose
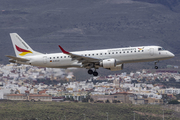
171	55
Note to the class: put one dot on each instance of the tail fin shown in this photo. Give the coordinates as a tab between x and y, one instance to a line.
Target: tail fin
21	48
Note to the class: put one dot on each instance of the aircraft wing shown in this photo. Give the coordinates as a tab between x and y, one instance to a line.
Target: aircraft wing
82	59
17	58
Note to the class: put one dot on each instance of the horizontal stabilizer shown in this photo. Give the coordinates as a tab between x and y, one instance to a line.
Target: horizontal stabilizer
17	58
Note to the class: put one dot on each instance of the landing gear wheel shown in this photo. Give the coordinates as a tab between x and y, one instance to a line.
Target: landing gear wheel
155	63
90	71
95	73
156	67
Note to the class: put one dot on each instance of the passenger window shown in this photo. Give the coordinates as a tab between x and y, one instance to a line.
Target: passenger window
89	54
100	53
64	56
85	55
109	53
112	52
92	54
120	52
50	57
96	54
116	52
57	57
54	57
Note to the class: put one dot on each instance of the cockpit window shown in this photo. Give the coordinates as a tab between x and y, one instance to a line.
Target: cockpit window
160	49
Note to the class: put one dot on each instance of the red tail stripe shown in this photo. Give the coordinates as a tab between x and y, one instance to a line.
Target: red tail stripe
20	49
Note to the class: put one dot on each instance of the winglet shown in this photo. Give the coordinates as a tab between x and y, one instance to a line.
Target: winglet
65	52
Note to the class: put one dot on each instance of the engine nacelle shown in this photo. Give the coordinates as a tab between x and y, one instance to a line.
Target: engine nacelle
117	68
108	63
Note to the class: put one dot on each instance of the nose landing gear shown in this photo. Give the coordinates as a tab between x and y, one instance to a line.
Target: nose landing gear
156	67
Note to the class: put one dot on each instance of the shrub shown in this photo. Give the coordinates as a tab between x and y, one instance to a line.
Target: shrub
173	102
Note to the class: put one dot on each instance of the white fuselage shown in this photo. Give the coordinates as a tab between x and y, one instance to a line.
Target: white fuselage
122	55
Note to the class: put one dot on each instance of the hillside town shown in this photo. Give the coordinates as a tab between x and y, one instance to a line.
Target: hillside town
141	87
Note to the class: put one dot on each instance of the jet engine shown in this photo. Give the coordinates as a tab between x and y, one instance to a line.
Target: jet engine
111	65
108	63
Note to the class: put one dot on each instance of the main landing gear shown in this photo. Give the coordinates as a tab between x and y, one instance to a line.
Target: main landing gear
156	67
92	72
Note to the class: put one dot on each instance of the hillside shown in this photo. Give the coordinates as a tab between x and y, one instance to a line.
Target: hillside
171	4
81	25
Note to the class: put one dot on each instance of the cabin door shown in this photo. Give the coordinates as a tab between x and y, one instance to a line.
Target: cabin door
45	59
151	50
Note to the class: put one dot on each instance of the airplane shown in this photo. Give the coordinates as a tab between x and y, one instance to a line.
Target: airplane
111	59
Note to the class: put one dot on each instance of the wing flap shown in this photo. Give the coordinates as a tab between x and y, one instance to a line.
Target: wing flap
17	58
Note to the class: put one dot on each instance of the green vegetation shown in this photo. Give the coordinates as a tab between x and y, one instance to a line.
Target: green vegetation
173	102
18	110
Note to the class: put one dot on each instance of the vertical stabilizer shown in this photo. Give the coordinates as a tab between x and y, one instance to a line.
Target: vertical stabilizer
21	48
